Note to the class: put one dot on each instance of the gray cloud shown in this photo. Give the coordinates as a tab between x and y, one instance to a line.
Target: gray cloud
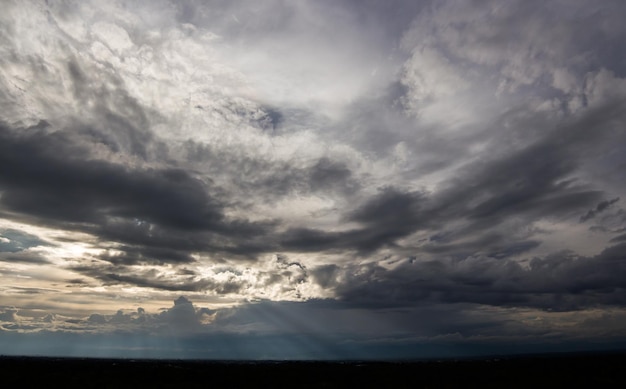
53	180
531	183
599	208
182	315
561	281
269	181
400	160
15	245
9	315
44	181
24	257
13	241
389	215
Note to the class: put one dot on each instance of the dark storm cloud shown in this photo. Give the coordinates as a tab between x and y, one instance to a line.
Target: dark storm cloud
386	217
599	208
610	222
534	182
536	179
156	243
389	206
52	179
490	244
527	182
560	281
390	215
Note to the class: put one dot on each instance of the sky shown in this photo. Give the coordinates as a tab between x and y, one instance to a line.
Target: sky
312	179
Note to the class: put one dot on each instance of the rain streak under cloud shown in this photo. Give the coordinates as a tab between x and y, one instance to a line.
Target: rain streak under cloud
311	179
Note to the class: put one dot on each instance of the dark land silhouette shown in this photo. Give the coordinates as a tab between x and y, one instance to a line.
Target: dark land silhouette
598	370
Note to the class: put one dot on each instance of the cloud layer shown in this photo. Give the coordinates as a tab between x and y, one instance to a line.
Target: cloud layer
300	157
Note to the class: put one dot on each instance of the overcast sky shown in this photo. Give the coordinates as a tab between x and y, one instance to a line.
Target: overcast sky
312	179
